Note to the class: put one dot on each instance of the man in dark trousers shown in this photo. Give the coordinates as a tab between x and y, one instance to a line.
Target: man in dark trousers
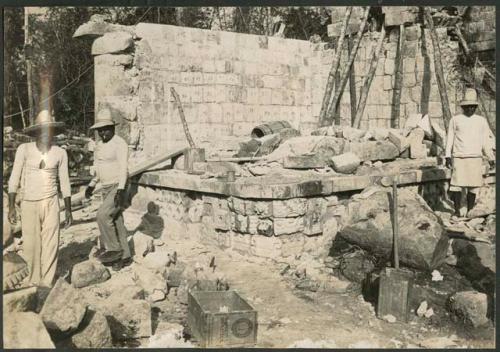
110	162
468	138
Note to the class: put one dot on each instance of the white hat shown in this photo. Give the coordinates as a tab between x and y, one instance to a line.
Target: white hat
470	97
102	119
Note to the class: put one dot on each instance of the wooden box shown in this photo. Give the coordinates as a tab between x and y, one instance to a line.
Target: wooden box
235	325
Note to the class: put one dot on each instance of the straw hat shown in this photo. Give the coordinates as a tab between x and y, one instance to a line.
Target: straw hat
44	119
102	119
470	97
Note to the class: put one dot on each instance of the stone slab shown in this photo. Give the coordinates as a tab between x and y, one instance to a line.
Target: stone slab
318	185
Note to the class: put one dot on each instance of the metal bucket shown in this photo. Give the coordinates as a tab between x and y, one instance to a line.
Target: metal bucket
269	128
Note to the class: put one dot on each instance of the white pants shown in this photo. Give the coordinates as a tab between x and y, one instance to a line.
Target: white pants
40	226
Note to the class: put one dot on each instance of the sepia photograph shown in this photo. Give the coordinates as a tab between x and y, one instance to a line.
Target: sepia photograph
316	177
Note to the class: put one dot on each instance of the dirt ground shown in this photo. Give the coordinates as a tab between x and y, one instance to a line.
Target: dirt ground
287	317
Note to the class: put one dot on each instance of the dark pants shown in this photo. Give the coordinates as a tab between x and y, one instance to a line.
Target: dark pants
111	226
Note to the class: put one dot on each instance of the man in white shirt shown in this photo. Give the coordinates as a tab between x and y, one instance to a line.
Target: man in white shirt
40	165
111	165
468	138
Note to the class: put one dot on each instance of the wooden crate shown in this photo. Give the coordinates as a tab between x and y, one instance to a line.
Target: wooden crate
212	328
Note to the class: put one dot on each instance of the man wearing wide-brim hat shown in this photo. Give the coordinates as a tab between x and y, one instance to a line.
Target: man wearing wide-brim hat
468	139
41	165
111	165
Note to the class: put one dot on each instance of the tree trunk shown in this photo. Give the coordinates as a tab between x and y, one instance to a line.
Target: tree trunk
333	70
398	80
345	73
352	83
367	80
27	42
439	69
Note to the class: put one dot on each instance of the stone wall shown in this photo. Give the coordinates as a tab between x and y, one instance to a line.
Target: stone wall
267	228
420	92
230	82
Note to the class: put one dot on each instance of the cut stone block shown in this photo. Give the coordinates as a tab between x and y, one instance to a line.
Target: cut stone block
129	319
99	28
88	273
372	150
423	242
111	43
287	226
95	332
345	163
303	162
418	151
289	208
23	300
399	141
471	307
59	317
25	330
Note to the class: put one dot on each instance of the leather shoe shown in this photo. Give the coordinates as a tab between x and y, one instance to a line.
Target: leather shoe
110	256
99	252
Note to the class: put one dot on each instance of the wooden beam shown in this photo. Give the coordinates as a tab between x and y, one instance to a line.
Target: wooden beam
398	80
367	80
491	78
333	70
352	82
345	73
438	68
183	118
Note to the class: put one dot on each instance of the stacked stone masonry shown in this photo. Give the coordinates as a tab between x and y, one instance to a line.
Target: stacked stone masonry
230	82
270	228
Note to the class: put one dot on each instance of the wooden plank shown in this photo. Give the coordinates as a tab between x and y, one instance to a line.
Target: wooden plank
398	80
333	70
345	73
237	160
438	68
352	82
183	118
145	166
367	80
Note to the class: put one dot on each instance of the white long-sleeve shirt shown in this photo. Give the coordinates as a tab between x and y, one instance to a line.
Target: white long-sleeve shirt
468	137
111	162
40	183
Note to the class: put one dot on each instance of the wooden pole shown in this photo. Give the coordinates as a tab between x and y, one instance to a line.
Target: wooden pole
352	83
398	80
439	68
345	73
334	69
27	46
463	42
183	118
367	80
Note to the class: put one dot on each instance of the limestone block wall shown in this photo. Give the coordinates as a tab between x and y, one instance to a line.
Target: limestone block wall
263	227
419	93
230	82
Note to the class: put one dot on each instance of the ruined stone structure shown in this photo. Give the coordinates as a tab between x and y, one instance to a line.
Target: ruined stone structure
229	83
